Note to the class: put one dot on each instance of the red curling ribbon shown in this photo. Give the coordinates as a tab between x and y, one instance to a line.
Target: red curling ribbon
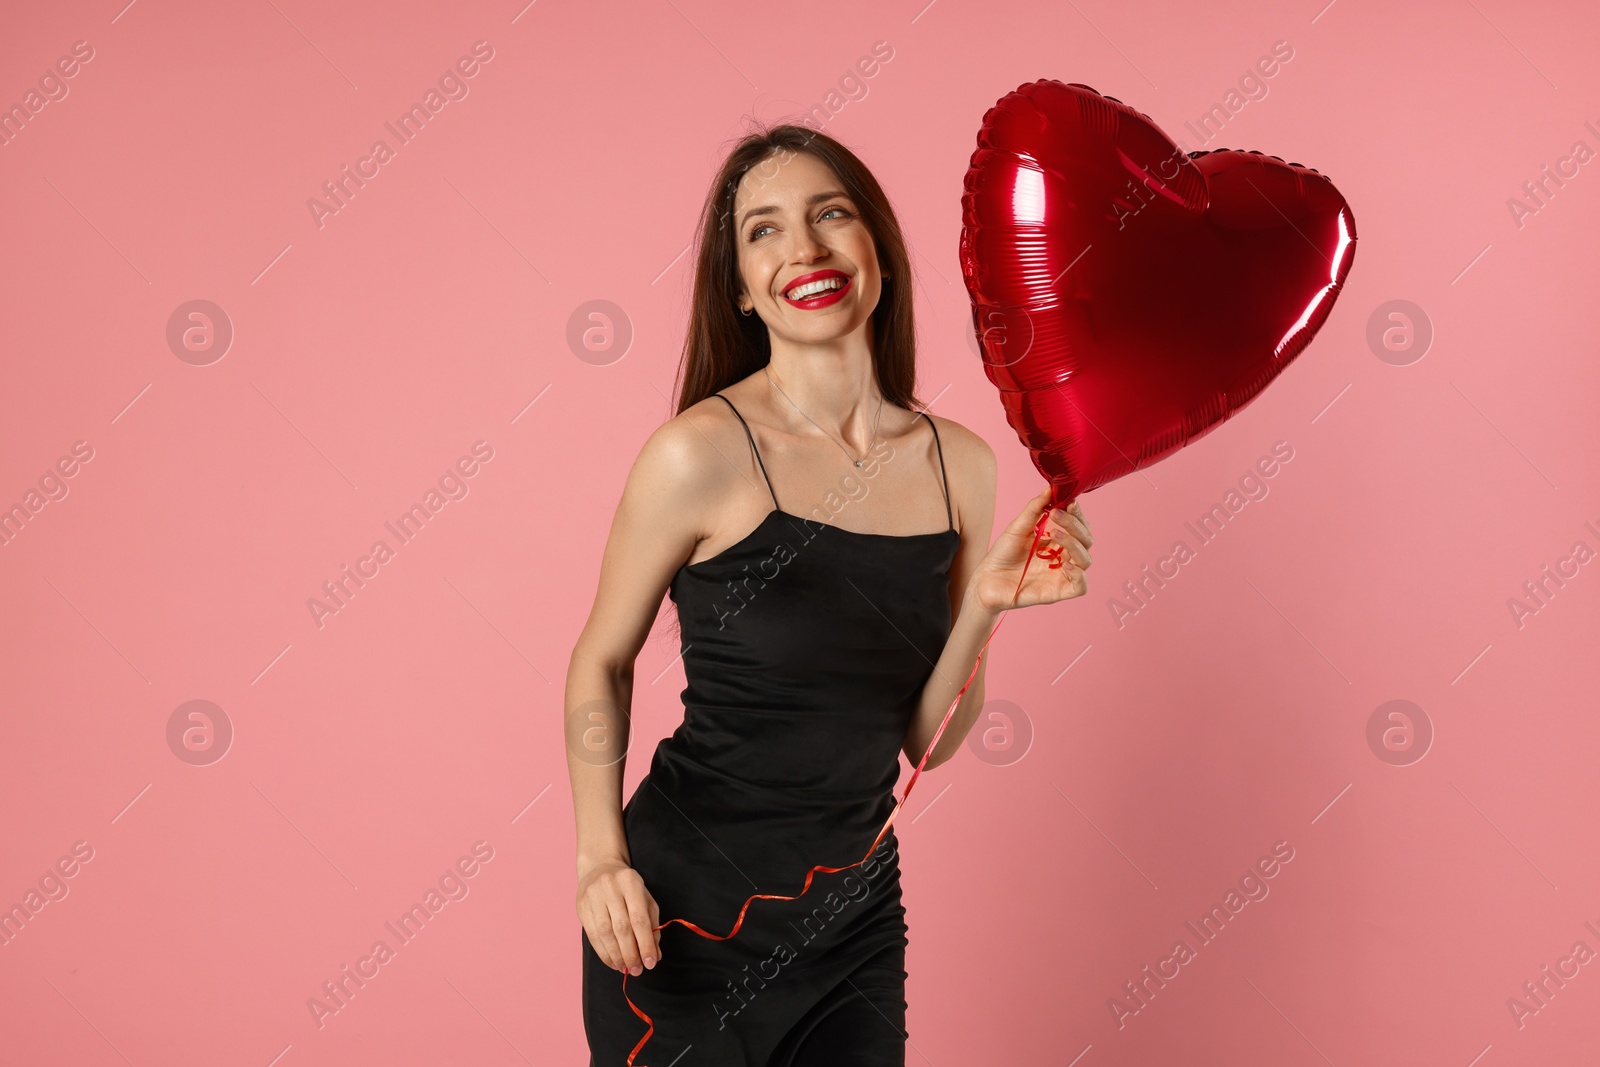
1053	554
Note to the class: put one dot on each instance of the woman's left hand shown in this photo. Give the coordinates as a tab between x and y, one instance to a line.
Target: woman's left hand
1055	573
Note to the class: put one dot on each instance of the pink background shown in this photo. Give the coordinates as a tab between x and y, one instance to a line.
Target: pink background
369	353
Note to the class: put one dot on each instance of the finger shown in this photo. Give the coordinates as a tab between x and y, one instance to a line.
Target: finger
1077	512
1068	524
1076	545
622	929
598	927
1069	544
1023	523
644	934
655	929
1077	550
603	925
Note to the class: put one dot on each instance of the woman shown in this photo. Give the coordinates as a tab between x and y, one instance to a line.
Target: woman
831	608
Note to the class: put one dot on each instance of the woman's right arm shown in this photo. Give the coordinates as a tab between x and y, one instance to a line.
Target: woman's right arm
654	531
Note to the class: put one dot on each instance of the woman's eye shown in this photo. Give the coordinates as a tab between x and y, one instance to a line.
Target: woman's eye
755	233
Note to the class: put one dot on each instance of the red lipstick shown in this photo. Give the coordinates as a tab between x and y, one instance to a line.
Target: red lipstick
823	299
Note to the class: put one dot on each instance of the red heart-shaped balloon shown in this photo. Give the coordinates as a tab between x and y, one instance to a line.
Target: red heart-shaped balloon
1128	296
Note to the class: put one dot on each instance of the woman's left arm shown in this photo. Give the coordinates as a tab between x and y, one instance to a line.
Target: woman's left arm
982	584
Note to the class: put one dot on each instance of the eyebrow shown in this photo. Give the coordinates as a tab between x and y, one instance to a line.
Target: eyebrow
772	209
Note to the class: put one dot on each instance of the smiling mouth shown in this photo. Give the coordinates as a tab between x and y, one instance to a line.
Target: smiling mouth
817	288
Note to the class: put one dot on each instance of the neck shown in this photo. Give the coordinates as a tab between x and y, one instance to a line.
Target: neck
834	383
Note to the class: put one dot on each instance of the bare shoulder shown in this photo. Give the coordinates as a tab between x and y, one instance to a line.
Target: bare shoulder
658	522
684	465
972	470
683	450
967	452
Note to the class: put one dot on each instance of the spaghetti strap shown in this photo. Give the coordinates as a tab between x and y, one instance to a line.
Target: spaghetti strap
755	451
949	516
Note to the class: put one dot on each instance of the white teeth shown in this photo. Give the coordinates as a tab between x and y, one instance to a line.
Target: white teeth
813	288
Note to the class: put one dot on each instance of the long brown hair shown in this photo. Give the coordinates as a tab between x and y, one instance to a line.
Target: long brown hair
722	344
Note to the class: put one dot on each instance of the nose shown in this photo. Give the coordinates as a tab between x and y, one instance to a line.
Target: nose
807	248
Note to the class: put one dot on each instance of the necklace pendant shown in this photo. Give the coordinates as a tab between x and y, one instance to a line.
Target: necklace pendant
858	463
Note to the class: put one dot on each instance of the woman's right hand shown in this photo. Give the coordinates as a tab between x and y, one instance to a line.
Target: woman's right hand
620	916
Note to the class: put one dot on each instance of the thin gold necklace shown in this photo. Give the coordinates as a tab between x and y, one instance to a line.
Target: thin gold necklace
876	422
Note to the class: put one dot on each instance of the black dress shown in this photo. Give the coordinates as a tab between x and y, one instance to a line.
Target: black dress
805	647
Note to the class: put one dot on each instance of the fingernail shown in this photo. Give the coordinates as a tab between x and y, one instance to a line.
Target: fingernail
649	961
